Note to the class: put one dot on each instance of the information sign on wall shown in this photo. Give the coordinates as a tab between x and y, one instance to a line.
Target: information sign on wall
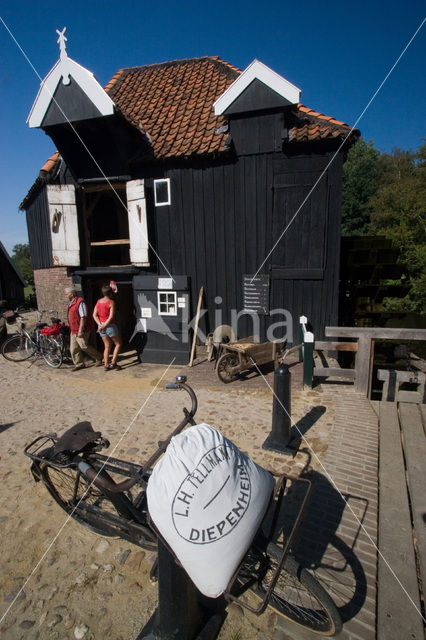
256	293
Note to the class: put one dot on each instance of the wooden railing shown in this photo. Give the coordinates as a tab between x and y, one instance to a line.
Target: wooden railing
363	347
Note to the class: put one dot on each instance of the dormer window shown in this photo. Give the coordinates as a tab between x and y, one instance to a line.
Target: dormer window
162	192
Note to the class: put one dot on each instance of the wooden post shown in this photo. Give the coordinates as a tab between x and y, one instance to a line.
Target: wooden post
197	319
308	358
363	364
302	330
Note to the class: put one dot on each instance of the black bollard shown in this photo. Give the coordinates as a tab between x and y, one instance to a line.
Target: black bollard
182	613
279	438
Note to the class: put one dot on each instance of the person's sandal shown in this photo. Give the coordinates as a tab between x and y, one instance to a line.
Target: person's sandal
114	365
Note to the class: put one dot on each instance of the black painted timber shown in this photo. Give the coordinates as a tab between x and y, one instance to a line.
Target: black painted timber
226	215
255	97
39	232
69	103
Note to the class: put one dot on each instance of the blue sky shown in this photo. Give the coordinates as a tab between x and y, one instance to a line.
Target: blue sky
337	53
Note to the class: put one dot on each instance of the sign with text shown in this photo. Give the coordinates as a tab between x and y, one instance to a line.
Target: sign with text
256	293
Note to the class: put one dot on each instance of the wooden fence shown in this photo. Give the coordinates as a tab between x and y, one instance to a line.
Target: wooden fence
362	343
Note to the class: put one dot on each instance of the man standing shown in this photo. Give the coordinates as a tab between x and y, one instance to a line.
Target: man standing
81	324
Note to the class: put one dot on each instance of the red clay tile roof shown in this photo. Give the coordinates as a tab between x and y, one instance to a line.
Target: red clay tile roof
46	172
312	125
173	103
50	163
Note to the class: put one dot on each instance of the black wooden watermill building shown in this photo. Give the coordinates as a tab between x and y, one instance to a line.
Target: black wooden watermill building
186	174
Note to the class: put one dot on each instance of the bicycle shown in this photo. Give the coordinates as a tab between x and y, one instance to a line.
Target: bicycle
90	489
58	332
23	345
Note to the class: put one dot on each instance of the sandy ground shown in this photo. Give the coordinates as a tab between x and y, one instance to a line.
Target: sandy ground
59	580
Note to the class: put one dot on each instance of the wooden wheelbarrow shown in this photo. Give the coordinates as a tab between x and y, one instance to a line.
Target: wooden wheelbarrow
244	355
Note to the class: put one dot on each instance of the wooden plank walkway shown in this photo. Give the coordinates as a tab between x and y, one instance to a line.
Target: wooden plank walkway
401	528
338	535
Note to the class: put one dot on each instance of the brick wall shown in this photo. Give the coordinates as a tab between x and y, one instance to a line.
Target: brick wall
49	286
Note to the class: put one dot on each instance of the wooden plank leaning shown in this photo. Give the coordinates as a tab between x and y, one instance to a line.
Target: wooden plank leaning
395	538
197	320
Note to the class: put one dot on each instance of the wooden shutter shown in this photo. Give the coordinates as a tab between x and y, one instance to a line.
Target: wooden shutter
138	230
63	225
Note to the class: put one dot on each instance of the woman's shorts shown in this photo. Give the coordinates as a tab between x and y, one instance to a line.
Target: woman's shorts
110	331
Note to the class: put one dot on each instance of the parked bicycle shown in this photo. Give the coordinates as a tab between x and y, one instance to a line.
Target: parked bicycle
90	488
58	331
23	344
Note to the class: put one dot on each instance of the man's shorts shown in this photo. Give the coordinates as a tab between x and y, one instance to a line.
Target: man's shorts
111	330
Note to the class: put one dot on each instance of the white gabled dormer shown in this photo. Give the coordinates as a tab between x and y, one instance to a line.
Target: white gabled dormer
60	95
276	86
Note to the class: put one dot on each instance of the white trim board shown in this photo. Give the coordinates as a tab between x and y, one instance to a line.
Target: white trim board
63	69
263	73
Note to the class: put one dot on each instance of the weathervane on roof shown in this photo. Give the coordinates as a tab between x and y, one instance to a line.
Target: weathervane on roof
61	41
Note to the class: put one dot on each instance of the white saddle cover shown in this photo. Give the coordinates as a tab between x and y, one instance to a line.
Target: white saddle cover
207	499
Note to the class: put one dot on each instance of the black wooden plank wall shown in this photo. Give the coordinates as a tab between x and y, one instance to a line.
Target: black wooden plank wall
223	221
39	232
221	225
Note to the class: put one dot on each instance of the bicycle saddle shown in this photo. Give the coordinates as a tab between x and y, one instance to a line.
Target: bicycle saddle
76	438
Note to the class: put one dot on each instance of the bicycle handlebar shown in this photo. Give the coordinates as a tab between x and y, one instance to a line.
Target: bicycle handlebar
180	383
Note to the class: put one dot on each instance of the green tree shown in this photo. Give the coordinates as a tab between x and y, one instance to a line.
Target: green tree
361	175
21	258
398	211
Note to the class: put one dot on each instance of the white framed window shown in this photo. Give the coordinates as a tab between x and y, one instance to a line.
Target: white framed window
167	303
162	192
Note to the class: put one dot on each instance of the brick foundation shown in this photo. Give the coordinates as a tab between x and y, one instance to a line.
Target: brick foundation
49	286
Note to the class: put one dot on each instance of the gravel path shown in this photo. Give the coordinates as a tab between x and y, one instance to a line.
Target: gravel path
59	580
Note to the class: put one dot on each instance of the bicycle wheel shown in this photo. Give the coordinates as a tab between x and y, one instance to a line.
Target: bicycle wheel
17	348
298	596
91	508
51	351
225	364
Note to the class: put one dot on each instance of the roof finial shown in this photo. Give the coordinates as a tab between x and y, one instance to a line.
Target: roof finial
62	40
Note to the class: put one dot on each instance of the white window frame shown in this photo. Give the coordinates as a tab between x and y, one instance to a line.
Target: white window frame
169	200
171	299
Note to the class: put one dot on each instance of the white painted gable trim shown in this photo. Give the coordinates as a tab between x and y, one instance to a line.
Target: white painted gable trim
64	69
263	73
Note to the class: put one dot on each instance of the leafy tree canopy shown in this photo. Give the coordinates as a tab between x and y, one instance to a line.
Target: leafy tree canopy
21	258
361	174
398	211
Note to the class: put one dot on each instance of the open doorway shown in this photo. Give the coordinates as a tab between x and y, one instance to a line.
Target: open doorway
107	225
125	315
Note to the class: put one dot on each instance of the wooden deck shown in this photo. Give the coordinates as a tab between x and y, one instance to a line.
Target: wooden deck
402	520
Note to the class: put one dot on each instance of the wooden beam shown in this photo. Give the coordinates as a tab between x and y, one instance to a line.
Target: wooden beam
395	538
414	443
335	346
197	319
106	243
325	372
363	365
104	186
376	333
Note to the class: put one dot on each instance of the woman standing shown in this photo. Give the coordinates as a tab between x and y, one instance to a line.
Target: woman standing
104	316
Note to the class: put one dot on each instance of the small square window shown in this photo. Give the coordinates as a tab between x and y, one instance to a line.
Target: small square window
167	303
162	192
